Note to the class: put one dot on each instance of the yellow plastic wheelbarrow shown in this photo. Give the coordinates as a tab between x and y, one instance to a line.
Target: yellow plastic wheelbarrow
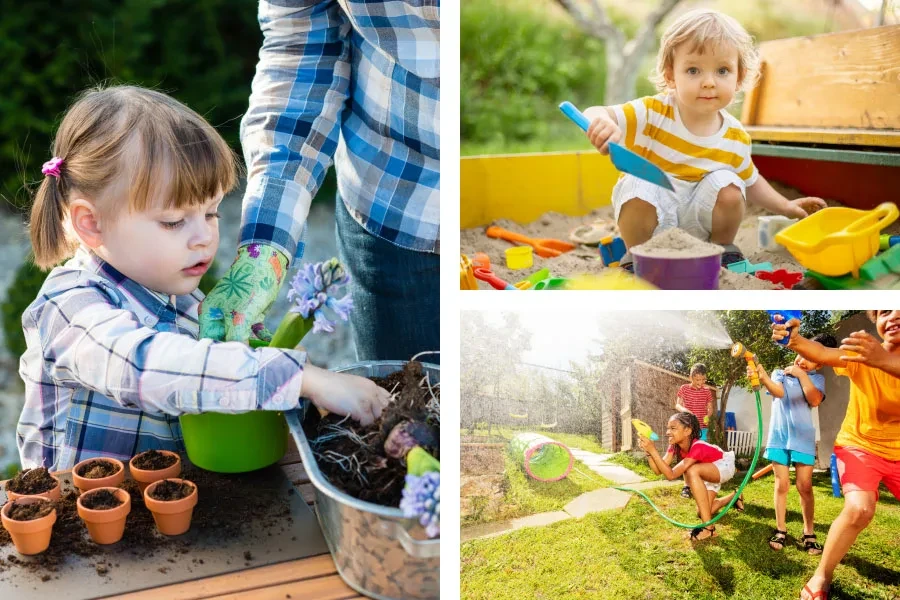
836	241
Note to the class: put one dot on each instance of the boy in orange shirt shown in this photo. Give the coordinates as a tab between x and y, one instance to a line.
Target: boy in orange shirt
868	445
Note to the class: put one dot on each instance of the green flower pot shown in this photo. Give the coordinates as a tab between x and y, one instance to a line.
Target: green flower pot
225	443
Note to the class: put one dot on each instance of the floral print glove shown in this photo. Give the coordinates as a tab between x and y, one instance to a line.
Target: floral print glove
236	306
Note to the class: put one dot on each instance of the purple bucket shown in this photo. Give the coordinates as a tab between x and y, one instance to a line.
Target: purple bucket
694	273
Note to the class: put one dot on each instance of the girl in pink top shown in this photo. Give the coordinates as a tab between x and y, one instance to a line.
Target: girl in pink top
705	468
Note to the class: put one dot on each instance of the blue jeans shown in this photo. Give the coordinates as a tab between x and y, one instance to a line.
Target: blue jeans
396	294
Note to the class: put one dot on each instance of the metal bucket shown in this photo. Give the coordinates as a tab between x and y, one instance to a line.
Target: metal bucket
378	552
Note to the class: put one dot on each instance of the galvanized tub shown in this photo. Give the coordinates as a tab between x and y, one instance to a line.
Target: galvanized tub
377	551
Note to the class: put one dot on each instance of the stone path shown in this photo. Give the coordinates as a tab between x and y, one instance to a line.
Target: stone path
593	501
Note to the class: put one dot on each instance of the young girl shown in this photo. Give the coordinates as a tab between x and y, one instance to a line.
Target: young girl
795	391
113	359
705	468
704	59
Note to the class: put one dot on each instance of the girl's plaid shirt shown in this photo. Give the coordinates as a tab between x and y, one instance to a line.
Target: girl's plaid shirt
110	365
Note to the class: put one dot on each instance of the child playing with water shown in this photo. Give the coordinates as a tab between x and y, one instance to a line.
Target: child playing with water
705	58
795	391
868	444
112	356
697	399
705	467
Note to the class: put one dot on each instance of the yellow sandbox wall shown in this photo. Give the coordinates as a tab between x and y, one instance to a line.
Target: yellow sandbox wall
522	187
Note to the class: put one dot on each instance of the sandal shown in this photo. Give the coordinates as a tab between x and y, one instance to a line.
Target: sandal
821	594
686	492
811	545
779	538
739	505
696	531
731	254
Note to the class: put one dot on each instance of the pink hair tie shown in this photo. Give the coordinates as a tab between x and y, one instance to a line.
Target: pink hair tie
52	166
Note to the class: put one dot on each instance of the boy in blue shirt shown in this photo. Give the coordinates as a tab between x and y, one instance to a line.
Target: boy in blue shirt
795	391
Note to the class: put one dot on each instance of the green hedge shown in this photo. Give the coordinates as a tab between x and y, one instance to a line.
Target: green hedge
202	52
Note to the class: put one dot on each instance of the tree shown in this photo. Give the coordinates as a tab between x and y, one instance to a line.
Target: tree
623	57
753	329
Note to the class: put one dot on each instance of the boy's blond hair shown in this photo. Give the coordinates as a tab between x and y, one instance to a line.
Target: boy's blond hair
703	29
127	146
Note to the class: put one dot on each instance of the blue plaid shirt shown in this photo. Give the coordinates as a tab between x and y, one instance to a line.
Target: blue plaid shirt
110	365
353	81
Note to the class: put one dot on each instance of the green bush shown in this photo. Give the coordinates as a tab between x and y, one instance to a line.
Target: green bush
23	290
202	52
517	65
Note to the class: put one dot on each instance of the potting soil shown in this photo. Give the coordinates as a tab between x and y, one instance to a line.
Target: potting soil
361	468
256	512
101	500
31	481
170	490
98	469
29	512
153	460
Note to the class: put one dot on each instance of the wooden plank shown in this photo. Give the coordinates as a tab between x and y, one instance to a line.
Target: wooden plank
323	588
308	493
885	159
847	79
305	569
296	473
834	137
292	455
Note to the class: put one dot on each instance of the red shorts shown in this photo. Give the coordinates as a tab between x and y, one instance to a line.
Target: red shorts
861	471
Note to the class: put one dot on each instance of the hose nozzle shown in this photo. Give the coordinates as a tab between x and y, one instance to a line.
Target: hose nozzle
738	350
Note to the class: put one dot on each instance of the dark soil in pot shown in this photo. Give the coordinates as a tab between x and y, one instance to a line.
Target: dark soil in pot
153	460
29	512
98	469
32	481
353	457
171	490
102	500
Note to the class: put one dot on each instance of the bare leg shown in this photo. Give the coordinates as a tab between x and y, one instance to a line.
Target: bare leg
782	485
637	221
727	215
695	475
858	511
720	503
807	501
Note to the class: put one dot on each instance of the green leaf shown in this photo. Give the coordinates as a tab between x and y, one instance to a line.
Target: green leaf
419	462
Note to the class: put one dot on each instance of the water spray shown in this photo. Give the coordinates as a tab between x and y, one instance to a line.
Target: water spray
737	350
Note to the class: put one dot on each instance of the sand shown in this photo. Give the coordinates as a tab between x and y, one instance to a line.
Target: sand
586	259
676	243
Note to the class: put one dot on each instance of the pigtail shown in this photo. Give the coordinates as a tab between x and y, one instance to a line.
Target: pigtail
49	240
688	420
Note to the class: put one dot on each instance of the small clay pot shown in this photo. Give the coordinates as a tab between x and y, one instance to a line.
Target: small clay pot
144	477
83	484
52	494
105	526
172	517
29	537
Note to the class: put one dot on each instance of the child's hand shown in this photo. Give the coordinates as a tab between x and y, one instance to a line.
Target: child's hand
803	207
783	330
645	444
758	371
601	132
344	394
795	371
867	349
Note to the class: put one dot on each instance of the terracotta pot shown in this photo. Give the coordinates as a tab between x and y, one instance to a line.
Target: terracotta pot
172	517
105	526
53	494
29	537
84	484
143	477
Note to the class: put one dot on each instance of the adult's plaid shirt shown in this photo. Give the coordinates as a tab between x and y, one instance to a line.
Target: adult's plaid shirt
110	365
353	81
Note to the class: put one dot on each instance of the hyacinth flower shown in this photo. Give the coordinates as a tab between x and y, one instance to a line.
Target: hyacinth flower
422	492
312	290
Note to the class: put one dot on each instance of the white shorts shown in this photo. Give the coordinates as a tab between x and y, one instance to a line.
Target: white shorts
725	465
689	207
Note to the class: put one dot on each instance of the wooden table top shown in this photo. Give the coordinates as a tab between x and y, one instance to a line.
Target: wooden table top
314	577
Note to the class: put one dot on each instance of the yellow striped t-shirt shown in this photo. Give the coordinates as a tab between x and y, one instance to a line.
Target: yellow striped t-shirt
653	129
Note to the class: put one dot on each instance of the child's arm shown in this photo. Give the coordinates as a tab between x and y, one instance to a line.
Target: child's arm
603	128
773	387
808	349
678	405
763	194
814	396
870	351
659	464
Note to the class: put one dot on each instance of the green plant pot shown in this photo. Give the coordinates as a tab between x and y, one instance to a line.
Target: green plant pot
235	443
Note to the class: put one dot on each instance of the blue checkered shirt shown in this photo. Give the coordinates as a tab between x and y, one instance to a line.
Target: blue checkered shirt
110	365
353	81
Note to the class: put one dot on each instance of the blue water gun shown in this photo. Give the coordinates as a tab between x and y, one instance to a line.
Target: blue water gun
785	316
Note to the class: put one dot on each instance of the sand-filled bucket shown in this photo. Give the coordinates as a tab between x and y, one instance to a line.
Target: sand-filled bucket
676	260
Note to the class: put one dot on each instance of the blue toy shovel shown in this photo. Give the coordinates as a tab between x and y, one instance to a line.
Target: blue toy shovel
624	159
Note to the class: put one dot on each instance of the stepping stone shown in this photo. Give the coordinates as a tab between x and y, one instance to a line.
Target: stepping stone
655	483
597	501
499	528
616	473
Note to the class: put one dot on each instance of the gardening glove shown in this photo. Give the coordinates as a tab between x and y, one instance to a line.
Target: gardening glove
236	306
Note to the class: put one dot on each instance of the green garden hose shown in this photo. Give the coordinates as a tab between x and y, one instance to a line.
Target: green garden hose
737	493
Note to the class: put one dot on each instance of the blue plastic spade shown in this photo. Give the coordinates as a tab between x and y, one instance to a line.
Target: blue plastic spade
624	159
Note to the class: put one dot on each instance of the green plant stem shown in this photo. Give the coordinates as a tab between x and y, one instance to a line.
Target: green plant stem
291	330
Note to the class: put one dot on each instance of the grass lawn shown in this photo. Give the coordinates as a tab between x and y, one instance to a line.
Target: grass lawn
638	465
632	553
573	440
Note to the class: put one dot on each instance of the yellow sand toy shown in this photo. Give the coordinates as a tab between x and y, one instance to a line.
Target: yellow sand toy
836	241
611	279
466	275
